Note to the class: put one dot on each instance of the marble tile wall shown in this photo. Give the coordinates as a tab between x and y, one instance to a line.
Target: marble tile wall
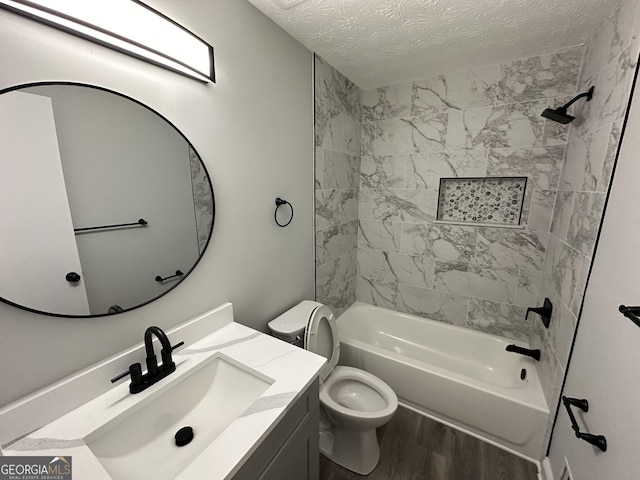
478	122
609	64
338	107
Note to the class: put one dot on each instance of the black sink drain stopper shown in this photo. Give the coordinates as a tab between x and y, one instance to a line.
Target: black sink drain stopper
184	436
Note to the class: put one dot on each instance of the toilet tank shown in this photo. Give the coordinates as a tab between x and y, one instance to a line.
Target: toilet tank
291	324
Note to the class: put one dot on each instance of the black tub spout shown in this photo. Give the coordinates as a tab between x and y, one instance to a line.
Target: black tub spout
535	354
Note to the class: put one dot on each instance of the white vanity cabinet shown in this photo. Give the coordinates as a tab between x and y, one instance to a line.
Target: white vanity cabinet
291	450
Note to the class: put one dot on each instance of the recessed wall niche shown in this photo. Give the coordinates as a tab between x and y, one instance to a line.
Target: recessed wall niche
492	200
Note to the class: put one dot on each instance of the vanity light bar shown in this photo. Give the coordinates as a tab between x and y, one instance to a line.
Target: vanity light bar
128	26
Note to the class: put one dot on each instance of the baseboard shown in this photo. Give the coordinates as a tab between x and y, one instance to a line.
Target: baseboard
545	472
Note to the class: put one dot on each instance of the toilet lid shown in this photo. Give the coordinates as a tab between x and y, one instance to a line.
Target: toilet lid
321	337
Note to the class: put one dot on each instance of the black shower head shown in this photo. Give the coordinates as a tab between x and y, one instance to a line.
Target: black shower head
560	114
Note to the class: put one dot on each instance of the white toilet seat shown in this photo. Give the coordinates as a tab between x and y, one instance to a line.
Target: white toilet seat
321	337
341	373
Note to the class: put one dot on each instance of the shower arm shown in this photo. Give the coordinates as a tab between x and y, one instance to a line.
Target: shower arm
588	94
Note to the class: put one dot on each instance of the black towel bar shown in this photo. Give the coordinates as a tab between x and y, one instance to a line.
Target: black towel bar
141	222
631	313
178	274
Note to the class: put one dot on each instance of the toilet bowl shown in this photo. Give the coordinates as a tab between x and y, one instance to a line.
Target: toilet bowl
356	398
353	402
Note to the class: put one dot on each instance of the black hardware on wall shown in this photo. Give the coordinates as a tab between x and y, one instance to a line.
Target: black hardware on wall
631	313
72	277
544	311
155	372
279	203
141	222
596	440
535	354
560	114
177	274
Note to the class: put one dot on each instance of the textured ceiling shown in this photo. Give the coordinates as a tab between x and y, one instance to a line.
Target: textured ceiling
381	42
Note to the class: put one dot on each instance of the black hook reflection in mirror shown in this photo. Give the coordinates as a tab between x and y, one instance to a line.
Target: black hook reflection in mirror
279	202
72	277
178	274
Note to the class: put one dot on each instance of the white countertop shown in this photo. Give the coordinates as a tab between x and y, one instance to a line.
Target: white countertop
292	369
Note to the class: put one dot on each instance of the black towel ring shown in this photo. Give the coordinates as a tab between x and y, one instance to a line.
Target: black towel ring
279	202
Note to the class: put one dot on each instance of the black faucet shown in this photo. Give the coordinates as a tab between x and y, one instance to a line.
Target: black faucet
535	354
155	372
544	311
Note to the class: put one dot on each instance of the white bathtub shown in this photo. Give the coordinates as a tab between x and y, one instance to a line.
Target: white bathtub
457	376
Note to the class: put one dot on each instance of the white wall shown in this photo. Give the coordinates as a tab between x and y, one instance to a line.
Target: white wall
254	131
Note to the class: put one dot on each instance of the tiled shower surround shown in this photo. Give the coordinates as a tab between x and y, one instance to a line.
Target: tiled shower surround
338	109
482	121
473	123
478	122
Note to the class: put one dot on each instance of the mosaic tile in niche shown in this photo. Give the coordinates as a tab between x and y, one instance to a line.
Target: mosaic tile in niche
481	200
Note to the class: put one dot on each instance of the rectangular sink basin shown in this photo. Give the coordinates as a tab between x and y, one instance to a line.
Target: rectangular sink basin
140	443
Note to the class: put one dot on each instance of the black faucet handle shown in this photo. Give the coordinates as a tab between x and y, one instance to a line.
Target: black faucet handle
167	360
135	371
167	353
544	311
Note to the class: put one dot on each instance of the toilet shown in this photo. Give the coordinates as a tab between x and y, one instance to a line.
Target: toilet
353	402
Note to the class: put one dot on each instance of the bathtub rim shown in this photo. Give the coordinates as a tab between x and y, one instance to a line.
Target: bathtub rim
531	396
444	325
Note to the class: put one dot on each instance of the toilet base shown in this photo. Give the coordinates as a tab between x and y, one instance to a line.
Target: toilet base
355	450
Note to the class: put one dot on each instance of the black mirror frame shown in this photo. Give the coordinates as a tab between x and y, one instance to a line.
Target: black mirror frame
213	203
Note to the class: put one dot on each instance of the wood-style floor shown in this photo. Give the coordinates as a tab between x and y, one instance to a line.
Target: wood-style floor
413	447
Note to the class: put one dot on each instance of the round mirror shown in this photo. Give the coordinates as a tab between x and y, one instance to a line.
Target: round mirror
105	207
